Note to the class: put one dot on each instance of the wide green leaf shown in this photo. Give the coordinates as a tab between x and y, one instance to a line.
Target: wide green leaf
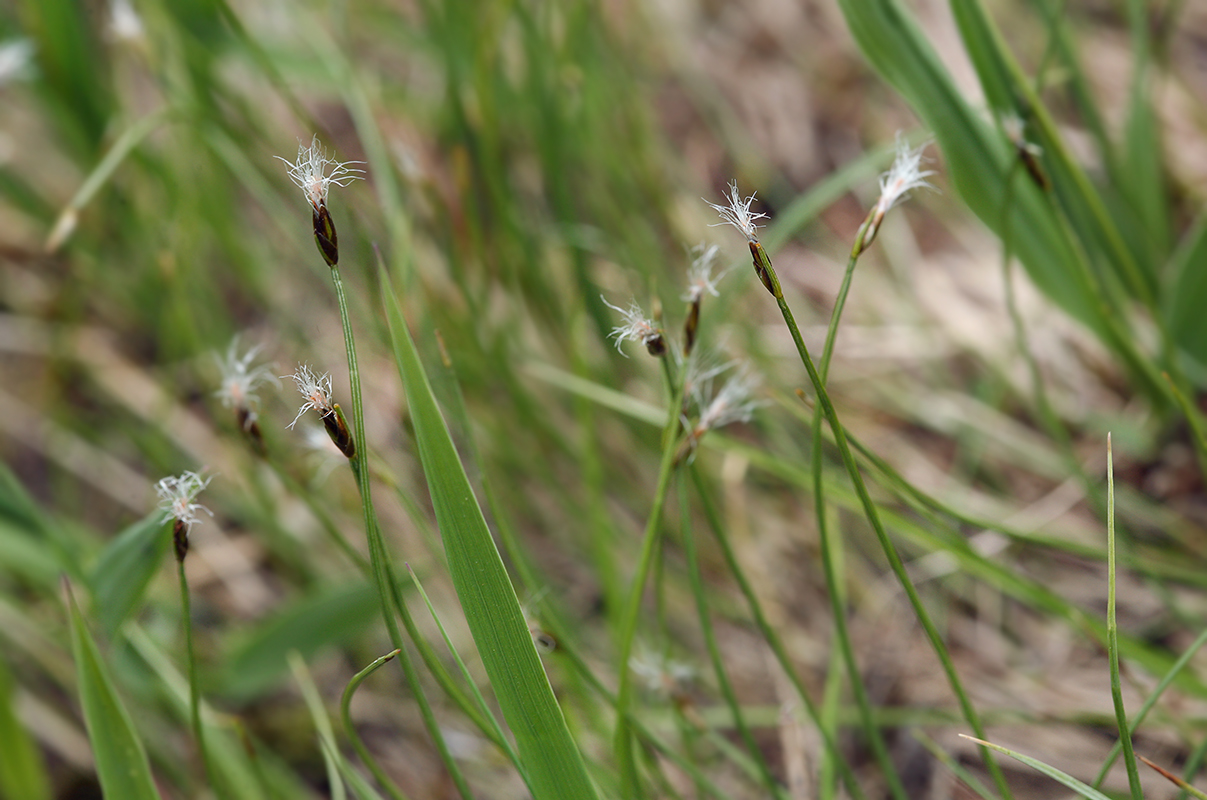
1187	295
125	568
326	618
22	771
551	759
979	160
121	761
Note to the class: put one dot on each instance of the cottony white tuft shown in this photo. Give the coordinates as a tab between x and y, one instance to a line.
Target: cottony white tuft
637	327
240	379
904	176
316	389
699	275
738	213
310	172
177	495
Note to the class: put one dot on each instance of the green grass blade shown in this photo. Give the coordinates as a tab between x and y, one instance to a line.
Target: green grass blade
970	780
121	761
1009	92
550	756
469	679
1053	773
1112	633
125	568
1187	294
307	626
322	724
22	771
358	744
1144	183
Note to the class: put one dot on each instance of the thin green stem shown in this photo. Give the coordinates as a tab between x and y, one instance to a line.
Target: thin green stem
769	634
623	743
873	517
186	612
387	587
473	686
829	556
1149	702
714	652
1112	633
358	744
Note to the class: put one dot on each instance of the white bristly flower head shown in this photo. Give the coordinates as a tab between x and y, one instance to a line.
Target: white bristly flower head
904	176
731	404
738	213
661	675
316	389
178	495
240	379
700	279
314	172
637	327
699	370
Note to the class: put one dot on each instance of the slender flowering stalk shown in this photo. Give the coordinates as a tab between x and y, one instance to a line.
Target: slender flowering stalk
317	391
903	177
177	499
637	327
237	389
314	173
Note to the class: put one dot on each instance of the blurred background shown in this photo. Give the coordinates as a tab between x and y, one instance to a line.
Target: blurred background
525	161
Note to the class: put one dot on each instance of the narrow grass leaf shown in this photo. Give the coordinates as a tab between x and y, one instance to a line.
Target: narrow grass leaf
550	756
22	771
345	708
121	761
1053	773
1174	779
1187	295
469	679
1112	633
125	568
322	724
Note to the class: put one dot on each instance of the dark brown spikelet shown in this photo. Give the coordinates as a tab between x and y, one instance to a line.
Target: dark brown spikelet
759	269
655	345
180	539
337	429
1032	165
325	237
691	327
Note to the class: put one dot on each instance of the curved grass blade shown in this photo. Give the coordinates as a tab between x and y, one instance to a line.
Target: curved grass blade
1053	773
358	744
121	760
554	766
